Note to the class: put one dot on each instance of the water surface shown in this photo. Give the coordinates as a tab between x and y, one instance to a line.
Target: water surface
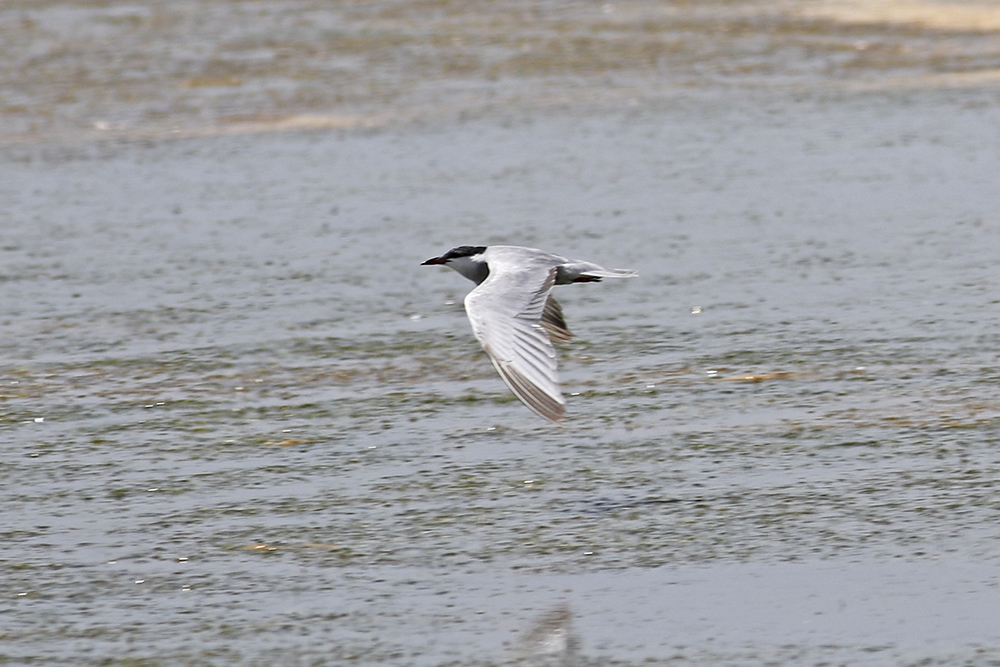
243	426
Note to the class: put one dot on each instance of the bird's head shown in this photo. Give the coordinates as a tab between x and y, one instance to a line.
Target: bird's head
455	254
466	259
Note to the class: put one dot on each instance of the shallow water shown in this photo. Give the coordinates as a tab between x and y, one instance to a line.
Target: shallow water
235	435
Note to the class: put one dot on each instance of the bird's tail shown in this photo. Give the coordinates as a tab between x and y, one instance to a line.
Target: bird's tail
611	273
586	272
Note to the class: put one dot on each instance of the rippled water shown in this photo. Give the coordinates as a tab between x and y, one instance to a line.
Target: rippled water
243	426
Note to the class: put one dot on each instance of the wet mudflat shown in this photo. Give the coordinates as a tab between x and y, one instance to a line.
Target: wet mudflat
235	435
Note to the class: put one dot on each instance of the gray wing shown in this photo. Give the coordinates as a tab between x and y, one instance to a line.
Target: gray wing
554	322
506	313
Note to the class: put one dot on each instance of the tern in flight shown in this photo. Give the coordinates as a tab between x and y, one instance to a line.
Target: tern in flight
516	319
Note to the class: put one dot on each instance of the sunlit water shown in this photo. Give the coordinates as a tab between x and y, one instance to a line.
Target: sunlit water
243	426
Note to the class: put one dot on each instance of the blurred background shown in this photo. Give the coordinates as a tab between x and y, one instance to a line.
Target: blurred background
71	69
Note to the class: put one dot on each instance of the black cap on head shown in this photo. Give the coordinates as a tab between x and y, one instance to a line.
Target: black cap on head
455	253
465	251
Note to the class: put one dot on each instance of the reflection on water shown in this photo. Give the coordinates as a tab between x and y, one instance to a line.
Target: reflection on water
550	640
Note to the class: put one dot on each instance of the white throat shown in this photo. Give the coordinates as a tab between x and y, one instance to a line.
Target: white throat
473	267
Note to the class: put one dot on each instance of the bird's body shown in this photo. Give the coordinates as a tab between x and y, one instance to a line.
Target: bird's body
515	318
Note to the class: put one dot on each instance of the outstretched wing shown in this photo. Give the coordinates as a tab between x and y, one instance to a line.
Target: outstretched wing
554	322
506	313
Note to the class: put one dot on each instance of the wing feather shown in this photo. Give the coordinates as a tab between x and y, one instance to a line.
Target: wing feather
554	322
507	312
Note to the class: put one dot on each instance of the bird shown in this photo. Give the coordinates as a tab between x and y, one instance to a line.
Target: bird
516	319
